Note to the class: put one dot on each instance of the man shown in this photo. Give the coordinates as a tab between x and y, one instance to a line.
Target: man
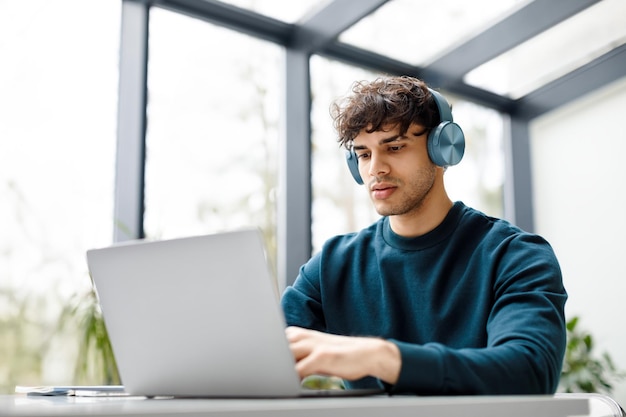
435	297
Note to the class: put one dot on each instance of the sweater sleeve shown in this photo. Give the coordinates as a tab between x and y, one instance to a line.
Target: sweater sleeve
301	302
525	333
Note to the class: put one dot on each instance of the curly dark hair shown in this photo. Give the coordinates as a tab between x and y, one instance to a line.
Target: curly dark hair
383	103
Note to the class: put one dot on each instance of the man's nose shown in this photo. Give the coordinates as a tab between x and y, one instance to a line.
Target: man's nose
378	166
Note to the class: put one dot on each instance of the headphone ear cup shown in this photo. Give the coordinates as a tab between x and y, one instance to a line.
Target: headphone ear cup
353	166
446	144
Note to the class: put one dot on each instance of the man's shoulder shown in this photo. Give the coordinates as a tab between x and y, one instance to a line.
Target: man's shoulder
475	218
366	236
500	234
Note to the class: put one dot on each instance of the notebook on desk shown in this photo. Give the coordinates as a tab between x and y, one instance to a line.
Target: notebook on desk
196	317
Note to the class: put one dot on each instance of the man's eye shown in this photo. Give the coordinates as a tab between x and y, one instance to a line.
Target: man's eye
362	155
395	148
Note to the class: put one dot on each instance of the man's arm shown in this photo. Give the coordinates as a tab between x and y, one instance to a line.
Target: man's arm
343	356
504	327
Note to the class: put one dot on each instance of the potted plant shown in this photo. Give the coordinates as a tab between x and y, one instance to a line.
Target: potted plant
583	370
95	362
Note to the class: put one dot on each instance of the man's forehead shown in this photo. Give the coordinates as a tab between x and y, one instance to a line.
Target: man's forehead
388	127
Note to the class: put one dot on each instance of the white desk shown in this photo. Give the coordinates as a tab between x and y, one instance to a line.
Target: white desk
380	406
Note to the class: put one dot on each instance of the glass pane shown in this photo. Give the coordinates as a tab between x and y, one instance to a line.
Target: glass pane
417	31
58	104
212	131
556	52
289	11
341	206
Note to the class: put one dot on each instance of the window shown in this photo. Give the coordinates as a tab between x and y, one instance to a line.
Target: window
58	107
212	134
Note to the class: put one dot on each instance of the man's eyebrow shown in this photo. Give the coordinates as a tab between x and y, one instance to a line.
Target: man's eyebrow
420	133
390	139
383	141
407	136
394	138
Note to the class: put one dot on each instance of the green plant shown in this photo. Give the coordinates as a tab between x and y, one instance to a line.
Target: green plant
95	362
583	371
323	382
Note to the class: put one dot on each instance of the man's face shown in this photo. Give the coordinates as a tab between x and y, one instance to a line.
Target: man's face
396	169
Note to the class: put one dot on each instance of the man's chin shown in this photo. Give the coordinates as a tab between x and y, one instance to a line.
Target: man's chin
384	210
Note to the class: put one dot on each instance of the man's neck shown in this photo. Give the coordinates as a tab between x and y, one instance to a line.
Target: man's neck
423	219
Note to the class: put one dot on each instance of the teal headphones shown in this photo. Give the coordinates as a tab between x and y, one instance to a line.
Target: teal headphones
446	142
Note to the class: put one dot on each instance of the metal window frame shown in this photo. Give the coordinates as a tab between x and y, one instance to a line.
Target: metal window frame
131	123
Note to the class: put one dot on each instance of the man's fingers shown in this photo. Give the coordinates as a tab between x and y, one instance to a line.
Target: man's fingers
299	342
309	348
308	366
343	356
295	334
300	350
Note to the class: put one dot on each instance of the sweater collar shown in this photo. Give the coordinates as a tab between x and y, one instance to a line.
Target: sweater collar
435	236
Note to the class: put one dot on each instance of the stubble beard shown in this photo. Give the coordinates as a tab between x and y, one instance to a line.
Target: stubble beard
412	194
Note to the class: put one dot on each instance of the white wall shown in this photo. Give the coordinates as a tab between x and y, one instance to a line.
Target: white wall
579	178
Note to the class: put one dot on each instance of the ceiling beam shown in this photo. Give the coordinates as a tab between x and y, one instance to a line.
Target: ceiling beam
527	22
379	63
232	17
598	73
325	25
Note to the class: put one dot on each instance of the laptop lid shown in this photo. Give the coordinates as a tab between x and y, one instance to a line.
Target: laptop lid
196	316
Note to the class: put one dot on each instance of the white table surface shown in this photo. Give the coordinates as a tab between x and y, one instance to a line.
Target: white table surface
397	406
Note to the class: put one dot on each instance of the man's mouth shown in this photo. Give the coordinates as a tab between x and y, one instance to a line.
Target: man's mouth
381	191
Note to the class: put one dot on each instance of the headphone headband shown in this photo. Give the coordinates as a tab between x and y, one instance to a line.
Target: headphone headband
445	112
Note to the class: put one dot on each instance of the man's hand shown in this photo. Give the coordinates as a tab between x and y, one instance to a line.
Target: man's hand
343	356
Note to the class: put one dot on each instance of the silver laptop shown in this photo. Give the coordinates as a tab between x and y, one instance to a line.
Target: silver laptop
196	317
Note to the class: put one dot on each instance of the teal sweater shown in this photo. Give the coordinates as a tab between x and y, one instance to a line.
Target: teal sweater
475	306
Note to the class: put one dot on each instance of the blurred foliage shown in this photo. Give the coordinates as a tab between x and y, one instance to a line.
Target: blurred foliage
23	338
95	361
322	382
583	370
